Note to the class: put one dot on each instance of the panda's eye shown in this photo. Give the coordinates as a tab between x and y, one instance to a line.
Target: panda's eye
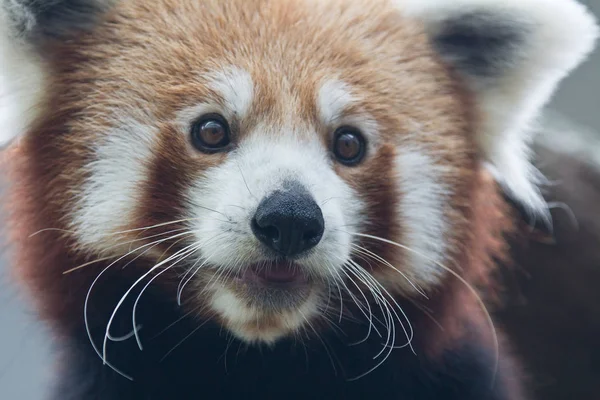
211	133
349	145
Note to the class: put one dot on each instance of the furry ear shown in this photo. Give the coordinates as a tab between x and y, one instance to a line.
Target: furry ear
40	19
26	29
512	54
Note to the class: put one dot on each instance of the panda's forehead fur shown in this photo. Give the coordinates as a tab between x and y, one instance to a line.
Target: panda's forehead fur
384	61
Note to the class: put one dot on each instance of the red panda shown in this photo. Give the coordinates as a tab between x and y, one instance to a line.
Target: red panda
276	198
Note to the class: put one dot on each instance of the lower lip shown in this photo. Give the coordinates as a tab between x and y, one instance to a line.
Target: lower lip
275	275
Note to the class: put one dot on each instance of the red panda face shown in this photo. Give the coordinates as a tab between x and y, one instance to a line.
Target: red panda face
260	154
271	155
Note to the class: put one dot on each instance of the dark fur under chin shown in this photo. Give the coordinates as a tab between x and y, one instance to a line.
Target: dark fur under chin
210	363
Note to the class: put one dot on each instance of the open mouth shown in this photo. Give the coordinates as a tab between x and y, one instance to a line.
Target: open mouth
281	275
273	286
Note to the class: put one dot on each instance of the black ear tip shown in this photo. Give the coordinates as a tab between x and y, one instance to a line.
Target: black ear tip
42	19
481	43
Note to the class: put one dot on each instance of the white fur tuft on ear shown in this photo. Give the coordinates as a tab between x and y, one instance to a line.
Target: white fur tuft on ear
22	84
26	27
513	54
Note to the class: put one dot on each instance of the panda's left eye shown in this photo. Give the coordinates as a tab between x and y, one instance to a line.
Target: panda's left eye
211	133
349	145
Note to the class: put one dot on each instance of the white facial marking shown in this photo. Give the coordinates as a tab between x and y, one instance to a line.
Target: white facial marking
225	199
186	117
230	306
259	167
333	98
110	195
422	212
236	87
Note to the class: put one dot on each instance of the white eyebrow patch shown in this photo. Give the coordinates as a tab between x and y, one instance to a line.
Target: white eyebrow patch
236	87
333	97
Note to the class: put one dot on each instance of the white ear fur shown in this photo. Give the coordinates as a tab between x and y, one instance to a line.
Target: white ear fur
26	27
22	84
513	54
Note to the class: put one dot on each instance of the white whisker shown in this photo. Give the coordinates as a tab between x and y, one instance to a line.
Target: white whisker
565	207
386	314
390	313
189	248
125	337
182	284
322	342
184	316
369	317
217	275
379	288
137	229
377	257
463	281
86	302
87	264
120	244
150	237
379	300
135	304
356	301
183	340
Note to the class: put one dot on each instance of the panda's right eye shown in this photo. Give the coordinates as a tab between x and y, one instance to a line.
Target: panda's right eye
211	133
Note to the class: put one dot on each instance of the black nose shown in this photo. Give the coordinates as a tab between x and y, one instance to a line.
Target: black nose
289	221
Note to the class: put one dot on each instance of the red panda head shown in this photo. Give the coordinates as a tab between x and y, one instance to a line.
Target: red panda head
272	154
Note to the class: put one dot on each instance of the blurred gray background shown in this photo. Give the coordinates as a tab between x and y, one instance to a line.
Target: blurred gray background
579	97
25	355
